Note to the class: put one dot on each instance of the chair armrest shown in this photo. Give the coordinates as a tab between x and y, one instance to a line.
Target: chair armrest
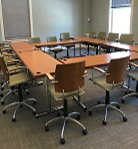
51	79
133	64
99	69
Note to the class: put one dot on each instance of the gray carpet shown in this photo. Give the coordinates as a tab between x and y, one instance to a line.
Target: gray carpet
29	133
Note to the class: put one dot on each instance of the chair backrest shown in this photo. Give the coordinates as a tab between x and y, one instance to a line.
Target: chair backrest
92	34
34	40
102	35
69	76
113	36
64	36
52	38
4	68
117	70
126	38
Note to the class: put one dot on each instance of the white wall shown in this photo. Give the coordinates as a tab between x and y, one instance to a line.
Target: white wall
100	15
135	21
50	17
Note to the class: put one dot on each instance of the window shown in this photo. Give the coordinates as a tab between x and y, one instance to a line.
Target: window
16	19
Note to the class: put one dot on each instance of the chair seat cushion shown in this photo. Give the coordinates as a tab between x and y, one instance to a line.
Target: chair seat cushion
101	81
133	74
18	78
58	95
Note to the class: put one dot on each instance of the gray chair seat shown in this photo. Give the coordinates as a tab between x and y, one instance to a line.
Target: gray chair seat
18	78
101	81
133	74
58	96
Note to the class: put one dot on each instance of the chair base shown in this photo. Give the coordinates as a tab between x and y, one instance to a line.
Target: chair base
110	105
129	95
20	104
66	118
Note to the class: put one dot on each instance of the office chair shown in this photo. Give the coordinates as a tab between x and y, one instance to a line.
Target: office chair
34	40
91	35
114	77
132	74
15	82
127	39
111	38
102	35
53	48
64	37
69	80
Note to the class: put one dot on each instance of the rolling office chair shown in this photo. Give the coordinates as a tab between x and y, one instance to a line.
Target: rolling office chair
127	39
111	38
132	74
114	77
91	35
102	35
53	48
34	40
69	80
64	37
15	82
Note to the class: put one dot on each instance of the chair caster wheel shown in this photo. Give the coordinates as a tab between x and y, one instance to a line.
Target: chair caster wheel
27	93
46	128
85	109
1	95
34	102
4	111
36	116
2	102
13	93
58	114
78	117
98	102
21	106
34	112
84	132
13	119
62	141
90	113
104	122
2	88
118	106
1	83
123	101
125	119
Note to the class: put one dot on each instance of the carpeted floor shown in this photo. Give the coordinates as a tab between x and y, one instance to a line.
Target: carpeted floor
29	133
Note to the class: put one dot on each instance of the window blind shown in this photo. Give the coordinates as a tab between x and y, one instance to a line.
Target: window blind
121	3
16	19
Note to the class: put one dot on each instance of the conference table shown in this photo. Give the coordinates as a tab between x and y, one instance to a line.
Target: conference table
40	63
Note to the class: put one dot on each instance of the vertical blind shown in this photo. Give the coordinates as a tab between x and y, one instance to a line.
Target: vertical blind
16	19
121	3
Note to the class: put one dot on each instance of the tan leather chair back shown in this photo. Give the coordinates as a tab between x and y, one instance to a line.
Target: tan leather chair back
52	38
113	36
34	40
64	36
4	68
92	34
117	70
102	35
126	38
69	76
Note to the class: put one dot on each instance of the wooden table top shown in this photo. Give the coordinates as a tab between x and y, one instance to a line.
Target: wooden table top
101	60
22	47
38	63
